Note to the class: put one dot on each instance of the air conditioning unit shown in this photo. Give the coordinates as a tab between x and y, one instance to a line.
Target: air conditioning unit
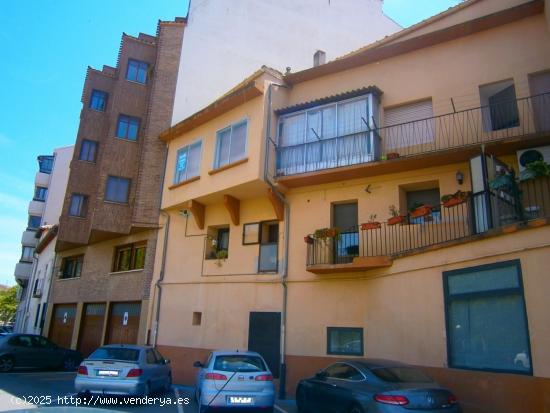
539	153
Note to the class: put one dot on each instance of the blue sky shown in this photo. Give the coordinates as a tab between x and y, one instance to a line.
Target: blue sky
46	48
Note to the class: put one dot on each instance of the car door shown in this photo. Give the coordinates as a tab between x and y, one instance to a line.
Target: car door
323	391
343	380
202	371
22	350
47	354
163	366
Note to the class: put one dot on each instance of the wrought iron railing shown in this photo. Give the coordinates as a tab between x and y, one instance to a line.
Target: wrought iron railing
514	118
479	213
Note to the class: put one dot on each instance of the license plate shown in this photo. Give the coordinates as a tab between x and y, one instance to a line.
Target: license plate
107	373
240	400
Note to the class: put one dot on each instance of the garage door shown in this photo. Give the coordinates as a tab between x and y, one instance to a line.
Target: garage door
62	326
91	328
123	323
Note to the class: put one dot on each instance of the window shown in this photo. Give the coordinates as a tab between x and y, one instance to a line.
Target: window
40	193
130	257
27	253
345	341
231	144
34	222
98	100
71	267
188	162
344	371
269	247
79	205
197	318
137	71
45	164
486	320
127	127
408	125
217	243
345	218
88	151
424	197
499	106
150	356
117	189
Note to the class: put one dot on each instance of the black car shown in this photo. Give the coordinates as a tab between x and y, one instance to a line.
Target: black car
33	351
374	386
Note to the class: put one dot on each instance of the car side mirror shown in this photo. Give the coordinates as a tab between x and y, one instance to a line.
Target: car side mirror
198	364
321	375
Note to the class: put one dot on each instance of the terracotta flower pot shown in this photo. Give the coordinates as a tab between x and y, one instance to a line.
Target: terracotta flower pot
370	225
421	211
308	240
453	201
392	155
332	232
396	220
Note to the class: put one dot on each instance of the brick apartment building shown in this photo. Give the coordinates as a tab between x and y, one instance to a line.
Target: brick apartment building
108	225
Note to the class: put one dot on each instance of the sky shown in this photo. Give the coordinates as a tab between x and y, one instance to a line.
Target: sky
45	48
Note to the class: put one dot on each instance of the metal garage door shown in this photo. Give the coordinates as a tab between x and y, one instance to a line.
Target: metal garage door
91	328
411	125
62	326
123	323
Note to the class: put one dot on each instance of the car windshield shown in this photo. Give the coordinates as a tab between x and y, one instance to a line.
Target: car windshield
115	353
401	375
239	363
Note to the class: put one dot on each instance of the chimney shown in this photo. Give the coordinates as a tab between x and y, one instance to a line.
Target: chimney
319	58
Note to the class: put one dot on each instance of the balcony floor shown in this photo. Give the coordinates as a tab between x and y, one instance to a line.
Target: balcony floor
358	264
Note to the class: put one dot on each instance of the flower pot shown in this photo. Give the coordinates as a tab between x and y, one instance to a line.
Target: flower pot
392	155
396	220
421	211
370	225
308	240
332	233
453	202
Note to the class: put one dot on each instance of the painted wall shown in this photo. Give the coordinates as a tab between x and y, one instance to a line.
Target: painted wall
233	39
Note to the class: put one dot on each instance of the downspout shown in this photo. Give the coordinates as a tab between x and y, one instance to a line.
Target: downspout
284	274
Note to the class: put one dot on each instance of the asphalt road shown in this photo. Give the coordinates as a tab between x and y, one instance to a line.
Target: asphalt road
28	390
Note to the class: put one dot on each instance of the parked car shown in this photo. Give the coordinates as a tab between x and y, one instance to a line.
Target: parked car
234	379
6	329
374	386
33	351
121	369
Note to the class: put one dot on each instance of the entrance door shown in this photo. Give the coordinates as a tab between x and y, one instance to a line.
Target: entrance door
264	337
91	328
123	323
61	329
346	246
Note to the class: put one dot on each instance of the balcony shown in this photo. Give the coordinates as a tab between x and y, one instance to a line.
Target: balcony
23	272
42	179
483	214
29	238
452	137
36	207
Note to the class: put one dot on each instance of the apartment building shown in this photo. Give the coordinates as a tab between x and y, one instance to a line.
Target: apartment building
392	203
34	305
108	227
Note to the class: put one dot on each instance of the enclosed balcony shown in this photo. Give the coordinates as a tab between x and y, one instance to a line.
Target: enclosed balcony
345	141
483	214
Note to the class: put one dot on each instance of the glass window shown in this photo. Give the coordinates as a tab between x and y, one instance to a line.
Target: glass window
345	341
499	105
88	151
40	193
34	222
98	100
150	356
401	375
430	197
71	267
45	164
343	371
127	127
231	144
239	363
188	162
117	189
137	71
486	319
79	205
27	253
130	257
115	353
251	233
217	245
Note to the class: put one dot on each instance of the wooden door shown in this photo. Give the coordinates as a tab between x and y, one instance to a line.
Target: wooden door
123	323
62	326
91	328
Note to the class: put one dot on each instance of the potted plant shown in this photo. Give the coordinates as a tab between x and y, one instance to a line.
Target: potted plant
395	217
419	209
450	200
392	155
535	169
221	255
325	233
372	224
308	239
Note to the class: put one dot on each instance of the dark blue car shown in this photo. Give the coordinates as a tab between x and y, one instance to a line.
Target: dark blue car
373	386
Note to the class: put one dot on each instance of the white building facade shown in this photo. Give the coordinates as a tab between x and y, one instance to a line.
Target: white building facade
225	41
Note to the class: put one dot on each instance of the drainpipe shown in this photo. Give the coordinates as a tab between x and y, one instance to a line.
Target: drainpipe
158	284
284	274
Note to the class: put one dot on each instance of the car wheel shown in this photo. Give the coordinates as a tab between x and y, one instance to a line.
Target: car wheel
355	409
69	364
147	389
168	384
6	364
301	400
197	396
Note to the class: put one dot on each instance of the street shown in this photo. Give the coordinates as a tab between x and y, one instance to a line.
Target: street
30	389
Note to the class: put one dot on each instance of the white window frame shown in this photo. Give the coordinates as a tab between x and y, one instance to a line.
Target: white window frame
216	163
187	147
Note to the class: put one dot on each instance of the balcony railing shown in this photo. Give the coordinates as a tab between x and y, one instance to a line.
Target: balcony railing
478	214
515	118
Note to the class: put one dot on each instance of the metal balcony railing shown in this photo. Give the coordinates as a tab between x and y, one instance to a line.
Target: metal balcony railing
500	121
478	214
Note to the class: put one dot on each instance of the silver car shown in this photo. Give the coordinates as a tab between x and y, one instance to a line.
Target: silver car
234	379
121	369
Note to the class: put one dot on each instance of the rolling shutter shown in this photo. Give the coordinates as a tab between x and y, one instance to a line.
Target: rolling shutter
409	124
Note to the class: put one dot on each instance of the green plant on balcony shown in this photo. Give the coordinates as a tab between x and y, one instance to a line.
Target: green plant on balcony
327	233
503	181
419	209
535	170
221	255
371	224
395	216
450	200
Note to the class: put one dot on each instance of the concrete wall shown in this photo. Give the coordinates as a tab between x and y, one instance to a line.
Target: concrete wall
237	39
